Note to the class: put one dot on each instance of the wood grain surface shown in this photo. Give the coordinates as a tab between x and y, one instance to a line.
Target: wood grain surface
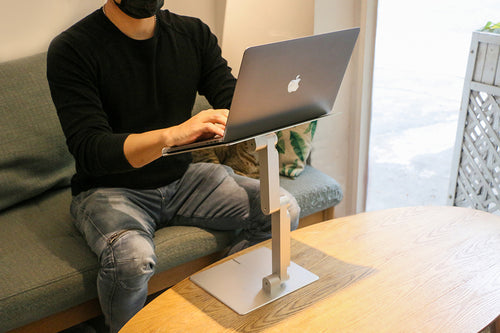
419	269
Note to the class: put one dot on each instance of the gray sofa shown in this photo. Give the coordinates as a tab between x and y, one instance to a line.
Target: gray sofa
47	272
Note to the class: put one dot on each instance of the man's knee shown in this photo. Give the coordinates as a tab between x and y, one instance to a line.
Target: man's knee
293	210
129	259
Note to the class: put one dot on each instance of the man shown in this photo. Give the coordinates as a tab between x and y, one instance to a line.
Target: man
124	80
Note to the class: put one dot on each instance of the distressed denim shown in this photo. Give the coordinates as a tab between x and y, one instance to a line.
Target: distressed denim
119	224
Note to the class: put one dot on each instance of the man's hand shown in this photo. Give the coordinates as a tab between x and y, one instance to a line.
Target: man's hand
144	148
204	125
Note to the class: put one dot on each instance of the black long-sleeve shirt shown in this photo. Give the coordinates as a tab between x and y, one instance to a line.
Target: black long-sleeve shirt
106	85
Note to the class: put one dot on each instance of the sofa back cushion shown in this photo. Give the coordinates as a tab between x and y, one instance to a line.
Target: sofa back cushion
33	153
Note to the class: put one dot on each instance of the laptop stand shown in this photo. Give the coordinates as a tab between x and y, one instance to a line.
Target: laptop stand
259	277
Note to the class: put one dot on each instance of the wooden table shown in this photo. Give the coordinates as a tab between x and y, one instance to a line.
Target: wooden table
420	269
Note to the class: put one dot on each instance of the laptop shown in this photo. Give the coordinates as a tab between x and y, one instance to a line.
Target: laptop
283	84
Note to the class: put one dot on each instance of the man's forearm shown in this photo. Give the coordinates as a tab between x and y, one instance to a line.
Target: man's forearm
142	149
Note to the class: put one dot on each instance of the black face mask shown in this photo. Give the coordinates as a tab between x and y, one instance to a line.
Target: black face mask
140	9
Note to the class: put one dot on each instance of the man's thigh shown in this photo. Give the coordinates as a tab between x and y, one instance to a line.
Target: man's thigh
105	214
213	196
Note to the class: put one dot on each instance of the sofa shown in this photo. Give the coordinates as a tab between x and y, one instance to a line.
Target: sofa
47	272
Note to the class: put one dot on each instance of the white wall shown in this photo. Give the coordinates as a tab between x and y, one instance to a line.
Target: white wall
341	144
210	11
253	22
331	144
28	26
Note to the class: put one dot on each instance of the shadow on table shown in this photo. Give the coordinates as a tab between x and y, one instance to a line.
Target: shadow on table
334	275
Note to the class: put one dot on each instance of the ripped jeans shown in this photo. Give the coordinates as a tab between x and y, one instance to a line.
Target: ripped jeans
119	224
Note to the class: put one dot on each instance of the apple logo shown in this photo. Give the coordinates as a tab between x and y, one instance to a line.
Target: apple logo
294	84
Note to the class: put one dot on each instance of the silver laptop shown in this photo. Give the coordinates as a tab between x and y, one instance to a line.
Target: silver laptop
283	84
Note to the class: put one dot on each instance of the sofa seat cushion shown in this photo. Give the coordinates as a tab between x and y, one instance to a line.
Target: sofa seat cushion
314	190
47	266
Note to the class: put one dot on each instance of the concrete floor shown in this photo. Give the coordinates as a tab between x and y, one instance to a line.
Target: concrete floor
421	56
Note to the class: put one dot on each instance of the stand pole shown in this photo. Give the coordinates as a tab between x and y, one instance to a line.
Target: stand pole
276	206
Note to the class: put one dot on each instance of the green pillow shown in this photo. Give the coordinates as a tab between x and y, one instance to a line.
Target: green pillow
294	146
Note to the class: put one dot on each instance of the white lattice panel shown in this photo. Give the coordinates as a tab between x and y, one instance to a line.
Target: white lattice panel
475	178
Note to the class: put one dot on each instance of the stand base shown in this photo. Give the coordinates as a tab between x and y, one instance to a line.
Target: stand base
238	282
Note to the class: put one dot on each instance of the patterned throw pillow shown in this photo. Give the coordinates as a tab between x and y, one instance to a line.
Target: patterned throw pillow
294	146
236	156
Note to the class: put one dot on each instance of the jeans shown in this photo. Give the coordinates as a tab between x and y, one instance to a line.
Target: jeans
119	224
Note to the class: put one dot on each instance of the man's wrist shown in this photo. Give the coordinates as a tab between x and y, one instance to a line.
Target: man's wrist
167	137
